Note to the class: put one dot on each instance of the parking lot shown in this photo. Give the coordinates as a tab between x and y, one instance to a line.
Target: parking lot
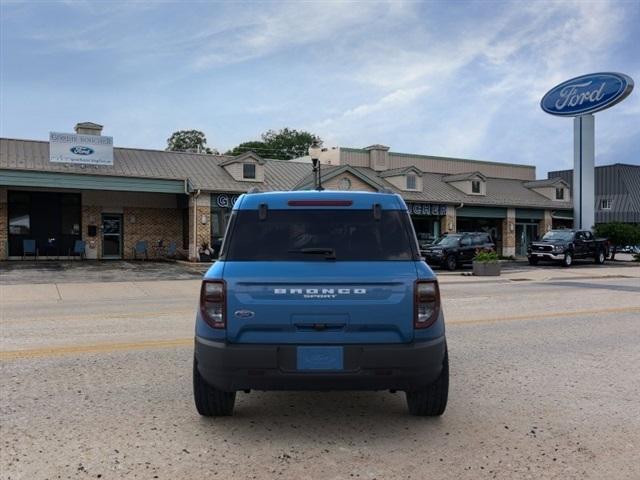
96	383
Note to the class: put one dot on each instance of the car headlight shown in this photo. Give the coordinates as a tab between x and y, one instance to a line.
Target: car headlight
558	248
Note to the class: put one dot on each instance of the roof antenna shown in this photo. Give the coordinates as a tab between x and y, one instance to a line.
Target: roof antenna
262	211
377	213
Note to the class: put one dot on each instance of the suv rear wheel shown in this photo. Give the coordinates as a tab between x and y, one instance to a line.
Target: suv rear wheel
451	263
211	402
432	401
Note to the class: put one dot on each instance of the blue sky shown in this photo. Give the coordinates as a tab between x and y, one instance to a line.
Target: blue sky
460	79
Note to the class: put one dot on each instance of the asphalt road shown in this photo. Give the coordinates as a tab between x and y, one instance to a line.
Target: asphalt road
545	384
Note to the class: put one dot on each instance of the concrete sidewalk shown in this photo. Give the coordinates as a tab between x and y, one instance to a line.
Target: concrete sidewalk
97	291
83	292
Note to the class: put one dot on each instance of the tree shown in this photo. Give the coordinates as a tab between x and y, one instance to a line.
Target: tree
255	146
283	144
188	141
619	234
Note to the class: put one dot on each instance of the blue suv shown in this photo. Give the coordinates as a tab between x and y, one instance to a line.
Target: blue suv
320	291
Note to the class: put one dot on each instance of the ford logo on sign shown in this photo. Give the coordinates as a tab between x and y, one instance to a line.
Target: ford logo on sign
587	94
78	150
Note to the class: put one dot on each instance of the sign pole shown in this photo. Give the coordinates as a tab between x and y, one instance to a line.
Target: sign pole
579	98
583	172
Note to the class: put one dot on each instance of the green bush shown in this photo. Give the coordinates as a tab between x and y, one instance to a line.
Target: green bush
619	234
486	257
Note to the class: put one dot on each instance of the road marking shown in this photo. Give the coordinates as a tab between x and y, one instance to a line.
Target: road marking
541	316
97	348
184	342
103	316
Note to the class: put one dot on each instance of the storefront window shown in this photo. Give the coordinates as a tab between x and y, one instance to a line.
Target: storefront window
19	217
70	214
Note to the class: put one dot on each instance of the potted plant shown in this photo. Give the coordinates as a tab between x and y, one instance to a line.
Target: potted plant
486	264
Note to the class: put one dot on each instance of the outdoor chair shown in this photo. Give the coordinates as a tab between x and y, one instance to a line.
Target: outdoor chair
78	249
29	248
141	249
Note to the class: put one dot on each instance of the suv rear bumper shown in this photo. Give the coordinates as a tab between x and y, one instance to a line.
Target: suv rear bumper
231	367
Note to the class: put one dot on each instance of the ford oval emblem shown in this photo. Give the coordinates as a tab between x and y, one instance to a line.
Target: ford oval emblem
587	94
243	314
79	150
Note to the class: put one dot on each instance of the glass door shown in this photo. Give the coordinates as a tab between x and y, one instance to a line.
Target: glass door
525	234
111	235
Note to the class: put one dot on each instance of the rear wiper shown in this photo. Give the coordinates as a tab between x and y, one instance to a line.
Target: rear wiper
330	253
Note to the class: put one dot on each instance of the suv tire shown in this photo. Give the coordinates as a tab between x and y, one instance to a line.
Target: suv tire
211	402
451	263
600	257
567	260
432	401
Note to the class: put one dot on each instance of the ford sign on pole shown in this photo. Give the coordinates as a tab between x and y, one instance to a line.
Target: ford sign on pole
80	149
587	94
580	97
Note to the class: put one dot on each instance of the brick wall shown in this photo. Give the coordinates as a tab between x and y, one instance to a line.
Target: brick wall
91	215
545	224
202	206
152	225
449	219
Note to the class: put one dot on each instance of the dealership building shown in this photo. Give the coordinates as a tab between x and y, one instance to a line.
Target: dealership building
79	187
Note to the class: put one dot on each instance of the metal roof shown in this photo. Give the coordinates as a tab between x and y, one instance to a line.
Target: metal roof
202	170
618	183
205	172
459	177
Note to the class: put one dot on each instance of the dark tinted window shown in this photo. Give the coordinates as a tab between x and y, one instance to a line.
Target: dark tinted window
448	241
465	242
478	240
248	170
303	235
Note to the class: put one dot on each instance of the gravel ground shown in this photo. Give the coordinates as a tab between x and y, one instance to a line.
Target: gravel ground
545	382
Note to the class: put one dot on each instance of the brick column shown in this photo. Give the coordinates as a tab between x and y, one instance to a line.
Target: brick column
545	224
199	210
448	222
92	215
509	233
4	225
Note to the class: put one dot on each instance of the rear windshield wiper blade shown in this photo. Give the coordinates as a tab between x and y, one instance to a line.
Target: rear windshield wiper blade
330	253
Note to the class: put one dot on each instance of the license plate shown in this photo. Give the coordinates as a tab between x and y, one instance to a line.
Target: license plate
320	358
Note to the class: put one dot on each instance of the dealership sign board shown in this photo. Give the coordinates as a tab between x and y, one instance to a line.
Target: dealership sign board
587	94
80	149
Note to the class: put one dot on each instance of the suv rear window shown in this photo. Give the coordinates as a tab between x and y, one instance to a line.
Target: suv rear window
308	234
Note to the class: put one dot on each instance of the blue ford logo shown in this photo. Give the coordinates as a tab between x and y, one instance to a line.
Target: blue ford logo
244	313
587	94
78	150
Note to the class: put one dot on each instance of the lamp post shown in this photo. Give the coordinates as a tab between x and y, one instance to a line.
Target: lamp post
314	153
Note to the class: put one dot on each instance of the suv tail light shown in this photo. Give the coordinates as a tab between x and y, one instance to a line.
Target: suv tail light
213	298
426	303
